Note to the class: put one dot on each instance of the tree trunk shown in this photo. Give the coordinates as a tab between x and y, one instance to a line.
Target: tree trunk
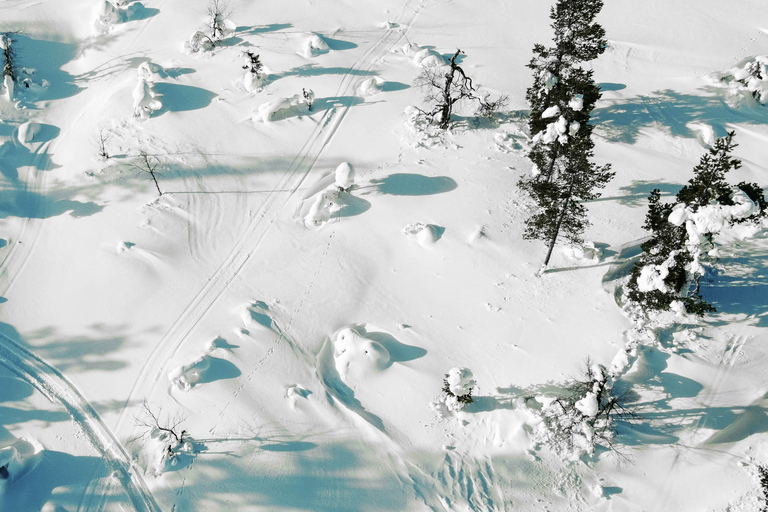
559	222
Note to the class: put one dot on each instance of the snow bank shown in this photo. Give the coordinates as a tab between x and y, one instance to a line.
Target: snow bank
17	460
357	357
205	368
421	56
369	86
321	210
426	235
27	131
314	45
198	42
285	106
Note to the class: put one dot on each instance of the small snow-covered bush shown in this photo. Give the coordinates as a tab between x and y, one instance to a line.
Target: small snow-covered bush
145	101
297	103
685	233
457	386
580	415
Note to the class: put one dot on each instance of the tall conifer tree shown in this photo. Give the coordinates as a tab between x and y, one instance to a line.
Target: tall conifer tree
562	98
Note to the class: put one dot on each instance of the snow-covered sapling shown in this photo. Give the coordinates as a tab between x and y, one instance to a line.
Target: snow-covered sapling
309	97
100	140
252	63
457	386
218	11
148	164
669	272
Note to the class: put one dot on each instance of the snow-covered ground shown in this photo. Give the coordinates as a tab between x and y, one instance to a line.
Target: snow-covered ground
299	332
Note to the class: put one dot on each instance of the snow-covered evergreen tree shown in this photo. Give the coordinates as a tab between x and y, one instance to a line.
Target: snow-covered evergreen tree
671	266
561	98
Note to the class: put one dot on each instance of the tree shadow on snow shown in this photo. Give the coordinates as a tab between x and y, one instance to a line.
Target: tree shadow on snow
405	184
339	44
624	119
351	206
55	471
182	98
260	29
47	58
636	194
393	86
137	12
219	369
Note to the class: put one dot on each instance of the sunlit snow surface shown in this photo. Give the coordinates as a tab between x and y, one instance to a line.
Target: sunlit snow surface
310	275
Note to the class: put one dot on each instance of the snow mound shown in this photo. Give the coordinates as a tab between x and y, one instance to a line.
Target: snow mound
426	235
27	132
369	86
280	108
357	357
198	42
145	101
314	45
321	210
586	252
205	368
8	88
150	72
17	460
423	56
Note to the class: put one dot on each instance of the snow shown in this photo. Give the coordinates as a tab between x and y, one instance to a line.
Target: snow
307	330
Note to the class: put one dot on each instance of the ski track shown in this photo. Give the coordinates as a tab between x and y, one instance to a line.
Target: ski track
724	367
55	386
18	253
258	226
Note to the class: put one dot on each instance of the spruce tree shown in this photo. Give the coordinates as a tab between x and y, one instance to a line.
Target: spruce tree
562	98
672	263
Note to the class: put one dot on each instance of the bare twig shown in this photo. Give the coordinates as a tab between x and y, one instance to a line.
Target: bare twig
146	163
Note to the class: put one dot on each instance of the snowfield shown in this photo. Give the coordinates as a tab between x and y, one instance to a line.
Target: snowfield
319	261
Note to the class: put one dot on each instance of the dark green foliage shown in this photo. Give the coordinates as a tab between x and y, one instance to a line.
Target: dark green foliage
762	474
564	175
464	399
708	186
7	41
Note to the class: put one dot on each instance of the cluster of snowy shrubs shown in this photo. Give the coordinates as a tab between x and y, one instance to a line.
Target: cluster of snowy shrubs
746	82
687	233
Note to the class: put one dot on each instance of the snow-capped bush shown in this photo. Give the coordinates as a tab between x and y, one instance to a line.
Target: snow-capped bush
345	176
145	100
457	386
198	42
580	415
369	86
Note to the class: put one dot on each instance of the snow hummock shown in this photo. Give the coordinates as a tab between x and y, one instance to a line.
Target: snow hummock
281	106
369	86
423	234
27	131
357	357
314	45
